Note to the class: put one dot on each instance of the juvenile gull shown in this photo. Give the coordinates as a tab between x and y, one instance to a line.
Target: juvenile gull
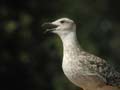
82	68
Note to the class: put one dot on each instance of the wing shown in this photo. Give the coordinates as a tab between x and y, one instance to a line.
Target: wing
103	69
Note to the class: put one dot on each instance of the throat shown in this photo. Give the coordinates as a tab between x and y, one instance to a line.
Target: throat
70	41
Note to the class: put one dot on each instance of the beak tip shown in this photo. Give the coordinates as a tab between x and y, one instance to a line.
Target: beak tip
44	25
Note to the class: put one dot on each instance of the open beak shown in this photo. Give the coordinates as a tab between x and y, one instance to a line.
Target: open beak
49	26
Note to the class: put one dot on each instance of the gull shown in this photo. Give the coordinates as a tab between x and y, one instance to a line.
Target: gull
83	69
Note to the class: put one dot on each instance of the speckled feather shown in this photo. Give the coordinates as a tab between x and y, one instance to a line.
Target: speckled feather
82	68
77	60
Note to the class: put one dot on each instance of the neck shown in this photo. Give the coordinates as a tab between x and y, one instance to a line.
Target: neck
70	41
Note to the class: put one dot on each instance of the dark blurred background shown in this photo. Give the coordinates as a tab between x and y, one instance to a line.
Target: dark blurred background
31	60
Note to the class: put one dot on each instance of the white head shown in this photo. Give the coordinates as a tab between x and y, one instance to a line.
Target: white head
62	26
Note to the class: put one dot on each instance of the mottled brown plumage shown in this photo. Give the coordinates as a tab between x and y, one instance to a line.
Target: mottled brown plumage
82	68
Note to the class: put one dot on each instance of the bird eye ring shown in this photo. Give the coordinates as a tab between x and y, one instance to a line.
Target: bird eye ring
62	21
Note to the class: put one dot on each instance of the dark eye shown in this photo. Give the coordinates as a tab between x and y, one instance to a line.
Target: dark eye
62	21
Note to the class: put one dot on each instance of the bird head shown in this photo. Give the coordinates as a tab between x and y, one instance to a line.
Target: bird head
61	26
